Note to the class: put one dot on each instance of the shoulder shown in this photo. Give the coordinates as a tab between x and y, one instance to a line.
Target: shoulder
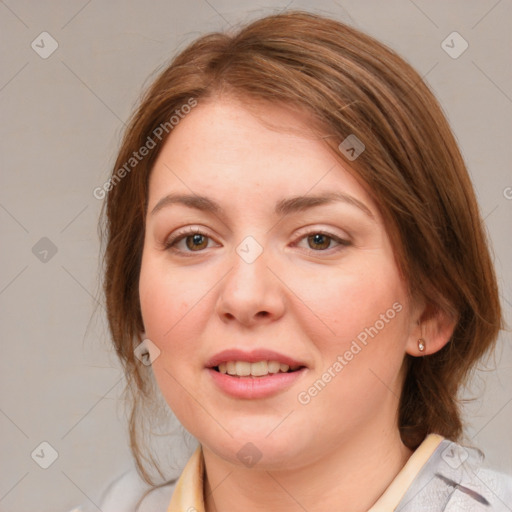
456	477
123	493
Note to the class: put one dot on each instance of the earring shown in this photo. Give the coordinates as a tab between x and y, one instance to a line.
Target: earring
421	344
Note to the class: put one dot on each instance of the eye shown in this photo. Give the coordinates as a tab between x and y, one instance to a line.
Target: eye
195	240
319	241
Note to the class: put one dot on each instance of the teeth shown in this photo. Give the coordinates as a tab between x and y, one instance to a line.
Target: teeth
273	366
243	368
258	369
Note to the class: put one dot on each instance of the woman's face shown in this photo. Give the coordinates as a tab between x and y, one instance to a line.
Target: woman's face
265	281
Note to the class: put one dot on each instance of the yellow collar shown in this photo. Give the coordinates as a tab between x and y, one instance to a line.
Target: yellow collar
188	493
391	497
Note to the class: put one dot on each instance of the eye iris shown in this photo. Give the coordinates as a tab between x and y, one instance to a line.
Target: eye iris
196	239
318	238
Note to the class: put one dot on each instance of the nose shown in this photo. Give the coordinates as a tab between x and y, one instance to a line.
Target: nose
250	292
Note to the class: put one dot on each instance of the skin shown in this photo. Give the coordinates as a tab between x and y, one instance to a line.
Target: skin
304	299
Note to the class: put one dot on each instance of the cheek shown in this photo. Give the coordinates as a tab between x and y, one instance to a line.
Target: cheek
347	301
168	299
360	342
172	307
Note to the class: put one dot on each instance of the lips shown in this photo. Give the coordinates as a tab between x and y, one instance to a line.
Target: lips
253	356
250	387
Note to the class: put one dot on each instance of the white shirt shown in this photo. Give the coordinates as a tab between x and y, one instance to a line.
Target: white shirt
440	476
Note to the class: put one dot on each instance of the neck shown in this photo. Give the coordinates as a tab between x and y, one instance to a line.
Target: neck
354	474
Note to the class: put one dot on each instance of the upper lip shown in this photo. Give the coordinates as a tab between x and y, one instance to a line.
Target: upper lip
252	356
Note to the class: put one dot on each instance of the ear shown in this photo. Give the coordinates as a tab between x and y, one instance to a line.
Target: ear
434	326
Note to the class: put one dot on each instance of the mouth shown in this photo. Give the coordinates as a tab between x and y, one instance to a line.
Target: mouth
256	369
256	374
253	380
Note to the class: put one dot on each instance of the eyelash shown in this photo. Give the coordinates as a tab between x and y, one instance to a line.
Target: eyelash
181	235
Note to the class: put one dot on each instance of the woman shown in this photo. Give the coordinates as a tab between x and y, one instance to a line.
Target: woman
295	253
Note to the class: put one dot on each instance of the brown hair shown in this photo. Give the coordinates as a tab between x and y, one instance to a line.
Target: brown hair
411	166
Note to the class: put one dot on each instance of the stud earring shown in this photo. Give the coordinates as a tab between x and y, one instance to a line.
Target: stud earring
421	344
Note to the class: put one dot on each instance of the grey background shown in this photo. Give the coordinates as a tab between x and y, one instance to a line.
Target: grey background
61	123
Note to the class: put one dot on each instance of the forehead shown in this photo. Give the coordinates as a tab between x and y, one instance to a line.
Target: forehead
251	152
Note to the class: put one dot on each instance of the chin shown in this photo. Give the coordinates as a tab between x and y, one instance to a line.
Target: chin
255	448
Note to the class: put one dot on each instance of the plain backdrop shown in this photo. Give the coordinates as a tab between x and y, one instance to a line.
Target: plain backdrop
62	117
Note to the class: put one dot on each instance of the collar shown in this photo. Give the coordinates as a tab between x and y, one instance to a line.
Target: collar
391	497
188	493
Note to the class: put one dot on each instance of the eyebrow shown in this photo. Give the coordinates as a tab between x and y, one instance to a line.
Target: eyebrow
282	207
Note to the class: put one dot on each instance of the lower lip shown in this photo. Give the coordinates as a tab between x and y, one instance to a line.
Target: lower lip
255	387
